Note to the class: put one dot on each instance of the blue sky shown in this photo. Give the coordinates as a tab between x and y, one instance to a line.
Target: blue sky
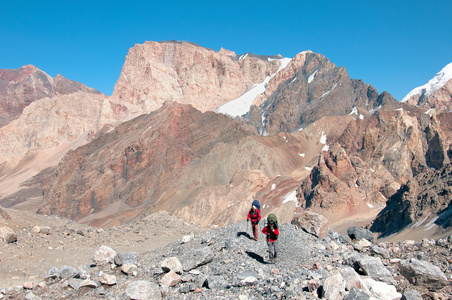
392	45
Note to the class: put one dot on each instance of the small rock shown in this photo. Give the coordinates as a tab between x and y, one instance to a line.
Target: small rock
53	273
184	289
31	296
67	272
88	283
197	258
411	295
356	294
358	233
74	283
129	269
376	250
119	260
170	279
104	255
143	290
380	289
442	243
29	285
216	282
334	287
8	235
250	280
171	264
107	279
187	238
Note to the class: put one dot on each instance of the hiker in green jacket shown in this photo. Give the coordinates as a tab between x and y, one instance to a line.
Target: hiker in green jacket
272	232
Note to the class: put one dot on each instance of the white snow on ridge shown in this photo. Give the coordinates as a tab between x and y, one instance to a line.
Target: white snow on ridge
292	196
242	104
323	138
434	84
312	76
326	93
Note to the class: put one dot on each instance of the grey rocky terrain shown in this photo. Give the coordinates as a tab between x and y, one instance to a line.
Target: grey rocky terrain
226	263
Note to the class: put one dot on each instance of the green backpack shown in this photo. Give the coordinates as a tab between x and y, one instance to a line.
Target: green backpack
272	217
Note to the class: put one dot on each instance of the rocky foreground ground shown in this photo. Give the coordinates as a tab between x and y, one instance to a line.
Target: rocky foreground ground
227	264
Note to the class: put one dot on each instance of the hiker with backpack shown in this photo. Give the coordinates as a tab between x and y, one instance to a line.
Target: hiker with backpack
272	232
254	215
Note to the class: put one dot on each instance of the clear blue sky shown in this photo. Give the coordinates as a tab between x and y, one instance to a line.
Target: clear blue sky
393	45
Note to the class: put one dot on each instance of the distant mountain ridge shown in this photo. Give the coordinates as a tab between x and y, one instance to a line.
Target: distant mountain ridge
23	86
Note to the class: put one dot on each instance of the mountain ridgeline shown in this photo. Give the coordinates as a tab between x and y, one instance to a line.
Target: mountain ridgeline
311	138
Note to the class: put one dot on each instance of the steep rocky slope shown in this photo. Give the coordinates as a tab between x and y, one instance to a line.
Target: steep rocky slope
372	159
21	87
309	88
202	166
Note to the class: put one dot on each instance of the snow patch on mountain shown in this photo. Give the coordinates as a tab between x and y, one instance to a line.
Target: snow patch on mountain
242	104
312	76
434	84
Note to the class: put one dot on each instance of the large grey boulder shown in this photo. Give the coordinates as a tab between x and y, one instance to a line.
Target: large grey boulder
197	258
423	273
358	233
143	290
370	266
312	223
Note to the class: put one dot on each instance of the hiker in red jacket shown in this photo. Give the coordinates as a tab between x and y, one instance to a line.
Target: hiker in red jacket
272	232
254	216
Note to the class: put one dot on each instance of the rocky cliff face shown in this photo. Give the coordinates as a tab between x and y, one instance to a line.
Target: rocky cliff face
309	88
21	87
372	158
155	72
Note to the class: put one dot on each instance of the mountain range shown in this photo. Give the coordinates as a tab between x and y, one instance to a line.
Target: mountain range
201	133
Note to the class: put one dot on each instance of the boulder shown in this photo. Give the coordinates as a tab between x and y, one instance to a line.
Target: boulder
370	266
196	258
7	234
88	283
334	287
107	279
216	282
411	295
358	233
378	251
312	223
380	289
104	255
129	269
74	283
357	294
170	279
143	290
67	272
171	264
423	273
53	273
352	279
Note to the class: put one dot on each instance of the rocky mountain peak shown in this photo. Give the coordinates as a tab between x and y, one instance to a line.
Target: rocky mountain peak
435	94
21	87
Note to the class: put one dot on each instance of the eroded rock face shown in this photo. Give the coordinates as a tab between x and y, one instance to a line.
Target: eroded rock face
155	72
21	87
